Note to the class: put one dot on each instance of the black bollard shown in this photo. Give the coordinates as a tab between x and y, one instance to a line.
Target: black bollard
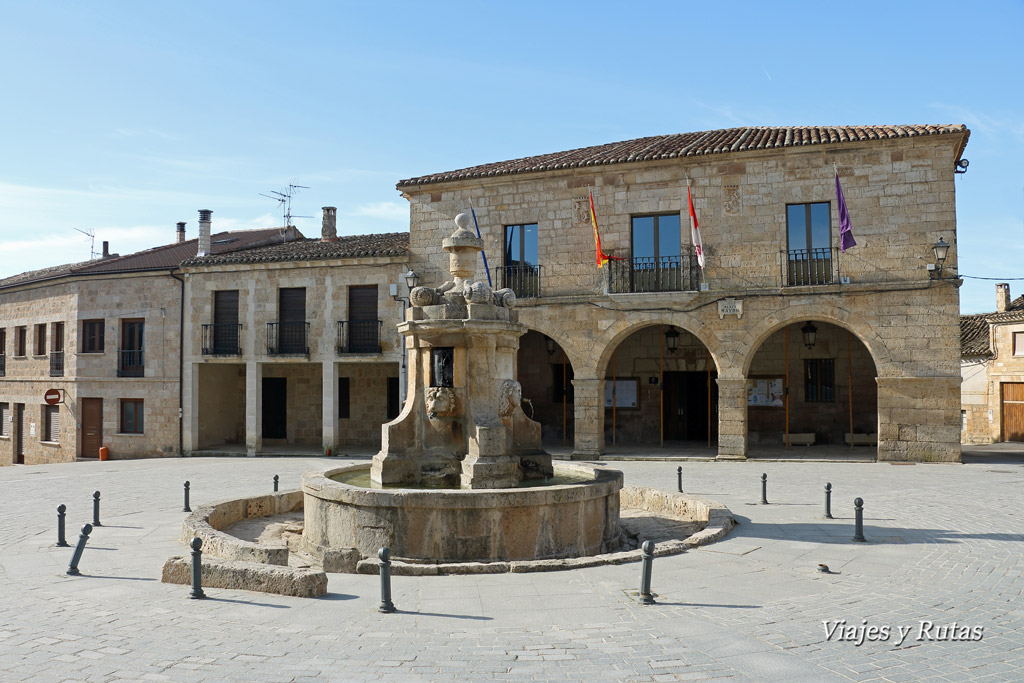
77	557
764	489
96	509
385	581
275	483
828	501
61	514
186	508
858	524
197	569
647	553
679	476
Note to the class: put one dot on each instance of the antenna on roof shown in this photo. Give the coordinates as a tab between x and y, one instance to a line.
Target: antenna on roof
91	234
284	200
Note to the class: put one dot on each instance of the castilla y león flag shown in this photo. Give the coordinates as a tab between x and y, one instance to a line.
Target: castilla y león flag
698	246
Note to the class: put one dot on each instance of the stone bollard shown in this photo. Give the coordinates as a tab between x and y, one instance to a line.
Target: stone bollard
858	521
764	489
275	483
61	514
96	509
197	569
647	553
186	508
828	501
79	549
679	477
385	581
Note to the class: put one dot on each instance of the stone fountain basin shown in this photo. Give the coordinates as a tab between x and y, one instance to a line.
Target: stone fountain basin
462	525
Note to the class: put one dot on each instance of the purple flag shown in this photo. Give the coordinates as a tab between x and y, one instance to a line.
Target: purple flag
845	226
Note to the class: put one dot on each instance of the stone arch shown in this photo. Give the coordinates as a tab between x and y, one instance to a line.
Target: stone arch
623	329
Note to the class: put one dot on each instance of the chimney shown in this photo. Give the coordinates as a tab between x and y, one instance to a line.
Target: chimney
106	249
181	232
1002	297
329	231
204	232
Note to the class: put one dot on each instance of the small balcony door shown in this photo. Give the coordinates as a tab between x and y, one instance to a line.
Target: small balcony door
131	362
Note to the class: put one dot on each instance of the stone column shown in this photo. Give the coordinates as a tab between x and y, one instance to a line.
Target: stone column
190	408
253	408
919	418
330	408
732	419
589	418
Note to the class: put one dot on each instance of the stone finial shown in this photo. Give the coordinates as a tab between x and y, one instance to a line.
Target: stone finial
329	229
462	247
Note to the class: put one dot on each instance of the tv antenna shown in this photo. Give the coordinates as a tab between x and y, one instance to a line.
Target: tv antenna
284	200
91	234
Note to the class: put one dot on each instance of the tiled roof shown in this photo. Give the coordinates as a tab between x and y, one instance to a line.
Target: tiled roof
691	144
974	329
348	246
158	258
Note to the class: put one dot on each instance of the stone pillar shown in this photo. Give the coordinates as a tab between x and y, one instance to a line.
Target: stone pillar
732	419
589	418
253	408
330	408
190	408
919	418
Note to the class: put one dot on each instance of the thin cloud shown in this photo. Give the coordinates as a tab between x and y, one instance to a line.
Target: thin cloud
383	210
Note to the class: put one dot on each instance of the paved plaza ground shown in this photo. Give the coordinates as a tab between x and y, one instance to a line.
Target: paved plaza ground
945	545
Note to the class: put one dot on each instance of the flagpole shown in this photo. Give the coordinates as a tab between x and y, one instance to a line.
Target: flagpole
707	360
482	252
661	384
613	398
785	389
565	392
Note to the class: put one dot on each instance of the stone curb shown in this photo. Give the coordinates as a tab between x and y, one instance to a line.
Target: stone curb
251	576
206	521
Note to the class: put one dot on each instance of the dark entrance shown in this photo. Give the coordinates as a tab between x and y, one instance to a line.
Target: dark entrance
275	407
19	436
686	406
92	427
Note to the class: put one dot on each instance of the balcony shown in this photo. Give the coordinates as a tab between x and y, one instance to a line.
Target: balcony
222	339
804	267
56	364
523	279
359	336
288	339
653	274
130	363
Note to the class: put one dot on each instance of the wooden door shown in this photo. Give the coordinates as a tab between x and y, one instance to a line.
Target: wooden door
275	408
132	360
19	434
292	320
1013	411
92	427
362	319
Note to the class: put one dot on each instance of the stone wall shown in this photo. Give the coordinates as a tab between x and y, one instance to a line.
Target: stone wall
368	403
981	389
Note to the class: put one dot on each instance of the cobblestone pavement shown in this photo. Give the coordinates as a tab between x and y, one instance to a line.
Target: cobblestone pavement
945	545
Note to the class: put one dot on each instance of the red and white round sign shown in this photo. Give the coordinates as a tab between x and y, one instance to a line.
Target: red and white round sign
52	397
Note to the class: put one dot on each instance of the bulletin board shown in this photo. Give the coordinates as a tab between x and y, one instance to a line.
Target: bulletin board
627	393
765	392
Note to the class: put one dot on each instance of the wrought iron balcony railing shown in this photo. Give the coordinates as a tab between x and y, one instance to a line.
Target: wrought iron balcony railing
131	363
810	267
523	279
222	339
359	336
285	339
56	364
653	274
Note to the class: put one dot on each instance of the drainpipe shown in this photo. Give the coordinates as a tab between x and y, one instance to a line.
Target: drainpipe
181	364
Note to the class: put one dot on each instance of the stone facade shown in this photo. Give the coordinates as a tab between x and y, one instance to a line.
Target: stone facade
900	194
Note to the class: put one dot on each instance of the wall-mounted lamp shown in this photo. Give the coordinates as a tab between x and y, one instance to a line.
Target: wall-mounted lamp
961	166
941	249
411	278
810	334
672	339
549	344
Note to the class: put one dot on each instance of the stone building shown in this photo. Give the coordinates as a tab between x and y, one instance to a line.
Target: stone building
106	335
782	338
992	366
293	346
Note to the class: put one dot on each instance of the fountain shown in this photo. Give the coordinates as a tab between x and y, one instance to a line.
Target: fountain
461	475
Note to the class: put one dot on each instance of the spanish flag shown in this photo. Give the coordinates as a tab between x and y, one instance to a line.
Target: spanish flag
602	258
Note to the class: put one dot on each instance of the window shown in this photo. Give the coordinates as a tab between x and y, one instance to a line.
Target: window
131	361
562	376
289	334
819	380
51	424
57	350
92	336
656	265
131	416
20	340
343	398
3	352
809	243
57	339
963	420
41	339
1018	343
221	338
5	414
520	270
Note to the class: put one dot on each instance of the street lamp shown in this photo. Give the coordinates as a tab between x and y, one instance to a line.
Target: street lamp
941	249
672	339
810	333
411	278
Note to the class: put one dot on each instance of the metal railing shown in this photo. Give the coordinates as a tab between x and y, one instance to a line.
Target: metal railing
359	336
56	363
222	339
653	274
131	363
288	338
810	266
523	279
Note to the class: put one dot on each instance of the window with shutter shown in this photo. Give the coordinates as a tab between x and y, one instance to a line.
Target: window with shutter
51	423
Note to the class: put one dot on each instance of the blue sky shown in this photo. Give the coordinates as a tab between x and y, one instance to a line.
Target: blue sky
127	117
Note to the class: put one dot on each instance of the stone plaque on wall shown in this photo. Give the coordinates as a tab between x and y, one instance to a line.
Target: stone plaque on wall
732	205
581	209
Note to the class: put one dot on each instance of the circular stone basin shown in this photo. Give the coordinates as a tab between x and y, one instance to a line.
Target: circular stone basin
577	518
